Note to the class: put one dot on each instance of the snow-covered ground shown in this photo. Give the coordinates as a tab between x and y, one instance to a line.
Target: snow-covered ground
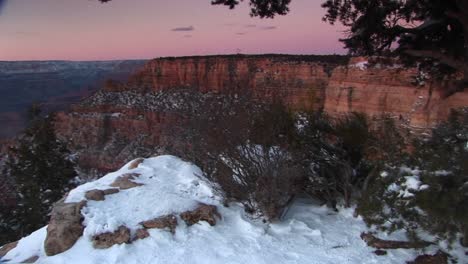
308	234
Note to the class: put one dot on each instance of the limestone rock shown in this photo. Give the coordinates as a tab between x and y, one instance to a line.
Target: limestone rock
135	163
125	181
32	259
168	221
110	191
141	233
107	240
95	195
204	212
99	195
378	243
438	258
6	248
64	227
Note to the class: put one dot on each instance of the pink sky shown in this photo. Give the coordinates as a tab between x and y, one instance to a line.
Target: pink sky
131	29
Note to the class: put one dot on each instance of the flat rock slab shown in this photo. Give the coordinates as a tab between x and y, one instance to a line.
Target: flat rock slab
6	248
125	181
32	259
64	227
168	221
204	212
99	195
107	240
438	258
378	243
141	233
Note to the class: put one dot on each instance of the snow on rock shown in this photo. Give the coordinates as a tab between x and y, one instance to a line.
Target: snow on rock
308	233
362	65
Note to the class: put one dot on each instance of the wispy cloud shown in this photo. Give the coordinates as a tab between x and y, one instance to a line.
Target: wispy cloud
269	28
241	33
23	34
250	26
187	36
189	28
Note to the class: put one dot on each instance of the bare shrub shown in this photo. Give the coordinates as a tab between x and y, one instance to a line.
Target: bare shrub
241	145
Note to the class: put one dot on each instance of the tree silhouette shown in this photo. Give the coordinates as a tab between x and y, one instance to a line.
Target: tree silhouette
260	8
41	171
433	33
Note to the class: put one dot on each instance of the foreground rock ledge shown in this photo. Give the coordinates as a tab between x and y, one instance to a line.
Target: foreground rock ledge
204	212
7	248
438	258
168	221
99	195
107	240
378	243
65	227
126	181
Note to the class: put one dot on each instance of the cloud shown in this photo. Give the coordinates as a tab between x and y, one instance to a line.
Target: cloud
250	26
268	28
23	34
190	28
187	36
241	33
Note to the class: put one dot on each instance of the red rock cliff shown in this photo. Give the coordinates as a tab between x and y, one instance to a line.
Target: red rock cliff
392	90
121	122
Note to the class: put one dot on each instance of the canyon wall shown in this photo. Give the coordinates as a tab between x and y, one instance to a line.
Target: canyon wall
123	121
411	98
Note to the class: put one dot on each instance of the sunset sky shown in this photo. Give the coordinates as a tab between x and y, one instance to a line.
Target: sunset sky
132	29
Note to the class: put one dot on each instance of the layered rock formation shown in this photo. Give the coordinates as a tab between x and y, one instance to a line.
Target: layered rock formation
124	121
400	92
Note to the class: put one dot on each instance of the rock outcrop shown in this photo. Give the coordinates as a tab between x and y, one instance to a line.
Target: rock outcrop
99	195
126	181
396	91
378	243
203	212
6	248
65	227
125	121
107	240
438	258
163	222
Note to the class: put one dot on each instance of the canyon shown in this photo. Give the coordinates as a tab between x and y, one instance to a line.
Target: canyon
125	120
53	84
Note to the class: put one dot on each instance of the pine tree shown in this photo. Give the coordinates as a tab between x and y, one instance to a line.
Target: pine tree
41	170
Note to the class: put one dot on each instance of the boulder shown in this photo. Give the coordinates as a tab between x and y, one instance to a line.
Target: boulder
135	163
168	221
64	227
141	233
32	259
6	248
204	212
125	181
95	195
110	191
438	258
99	195
107	240
378	243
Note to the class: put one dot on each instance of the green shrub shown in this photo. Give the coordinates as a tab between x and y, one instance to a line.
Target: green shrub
431	197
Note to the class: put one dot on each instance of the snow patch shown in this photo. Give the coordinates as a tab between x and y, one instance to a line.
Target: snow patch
308	234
